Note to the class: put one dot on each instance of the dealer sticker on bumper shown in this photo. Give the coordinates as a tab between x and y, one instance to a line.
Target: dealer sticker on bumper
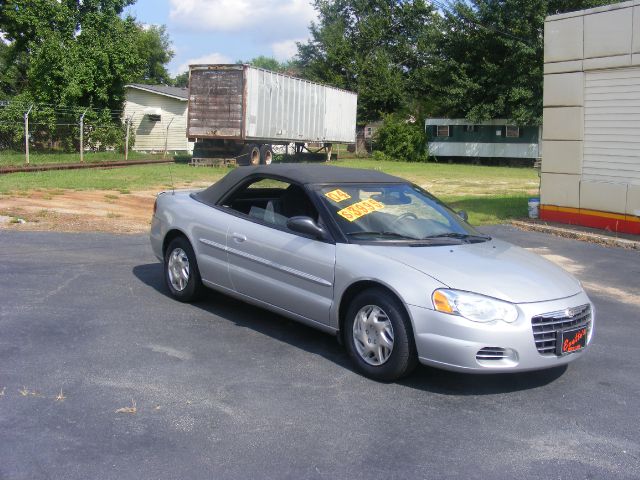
570	341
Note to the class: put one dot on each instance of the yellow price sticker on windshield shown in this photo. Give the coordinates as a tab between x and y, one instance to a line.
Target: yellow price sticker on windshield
360	209
337	195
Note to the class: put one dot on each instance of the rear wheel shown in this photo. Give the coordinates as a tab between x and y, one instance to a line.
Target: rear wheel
266	154
379	337
181	272
250	155
254	155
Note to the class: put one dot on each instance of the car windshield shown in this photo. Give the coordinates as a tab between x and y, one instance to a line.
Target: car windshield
395	212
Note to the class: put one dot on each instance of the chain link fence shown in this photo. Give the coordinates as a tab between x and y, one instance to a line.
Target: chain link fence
32	134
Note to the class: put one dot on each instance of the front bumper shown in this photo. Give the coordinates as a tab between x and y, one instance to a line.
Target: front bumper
452	342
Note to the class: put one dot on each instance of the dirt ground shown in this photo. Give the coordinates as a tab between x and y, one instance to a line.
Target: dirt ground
78	211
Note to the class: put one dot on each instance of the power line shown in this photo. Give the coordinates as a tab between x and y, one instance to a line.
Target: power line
19	123
61	108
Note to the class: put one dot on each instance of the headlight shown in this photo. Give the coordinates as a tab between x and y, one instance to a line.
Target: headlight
472	306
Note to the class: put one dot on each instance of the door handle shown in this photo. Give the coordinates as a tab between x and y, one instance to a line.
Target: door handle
238	237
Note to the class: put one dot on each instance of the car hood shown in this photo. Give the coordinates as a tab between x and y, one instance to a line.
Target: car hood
494	268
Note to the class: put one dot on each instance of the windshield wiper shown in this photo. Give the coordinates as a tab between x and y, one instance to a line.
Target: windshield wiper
383	233
461	236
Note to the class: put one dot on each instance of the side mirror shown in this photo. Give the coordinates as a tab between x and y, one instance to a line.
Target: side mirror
307	226
464	215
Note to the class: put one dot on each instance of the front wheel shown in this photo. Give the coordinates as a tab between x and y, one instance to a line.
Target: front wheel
181	272
379	337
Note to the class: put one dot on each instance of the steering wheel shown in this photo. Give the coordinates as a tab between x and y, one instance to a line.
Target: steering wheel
404	216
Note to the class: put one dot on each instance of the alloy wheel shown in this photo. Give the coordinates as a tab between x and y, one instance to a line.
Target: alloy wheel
178	269
373	335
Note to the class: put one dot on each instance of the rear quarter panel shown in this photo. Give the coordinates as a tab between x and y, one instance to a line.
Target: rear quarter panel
196	221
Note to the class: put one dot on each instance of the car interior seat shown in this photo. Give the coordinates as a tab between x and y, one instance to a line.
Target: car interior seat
295	202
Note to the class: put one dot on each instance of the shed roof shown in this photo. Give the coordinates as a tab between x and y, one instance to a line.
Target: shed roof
179	93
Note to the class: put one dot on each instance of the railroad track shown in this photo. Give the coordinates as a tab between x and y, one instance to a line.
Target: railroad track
77	166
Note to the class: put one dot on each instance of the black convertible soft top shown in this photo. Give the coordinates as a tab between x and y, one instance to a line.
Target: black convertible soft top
299	173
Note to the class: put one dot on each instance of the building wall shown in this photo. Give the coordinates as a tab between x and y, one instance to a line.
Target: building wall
488	141
483	134
150	135
591	124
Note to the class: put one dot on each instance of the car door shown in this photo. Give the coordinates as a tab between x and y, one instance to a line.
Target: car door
281	268
209	231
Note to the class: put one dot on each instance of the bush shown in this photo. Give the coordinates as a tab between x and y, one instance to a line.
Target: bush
399	139
381	156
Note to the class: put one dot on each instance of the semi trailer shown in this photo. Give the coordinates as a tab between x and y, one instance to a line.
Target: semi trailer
240	112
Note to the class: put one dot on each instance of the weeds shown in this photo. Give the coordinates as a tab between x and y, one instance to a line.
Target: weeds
132	409
25	392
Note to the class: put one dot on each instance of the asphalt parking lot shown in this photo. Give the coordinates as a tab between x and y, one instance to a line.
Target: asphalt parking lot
225	390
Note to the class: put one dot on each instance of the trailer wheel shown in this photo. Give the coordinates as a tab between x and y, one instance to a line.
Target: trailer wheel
254	155
266	155
250	155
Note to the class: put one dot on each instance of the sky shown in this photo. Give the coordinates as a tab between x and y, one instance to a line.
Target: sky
224	31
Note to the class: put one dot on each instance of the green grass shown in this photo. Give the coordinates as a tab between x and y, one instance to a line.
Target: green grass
125	180
488	194
455	178
17	159
489	210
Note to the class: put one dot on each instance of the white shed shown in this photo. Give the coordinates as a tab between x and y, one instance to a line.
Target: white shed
158	115
591	127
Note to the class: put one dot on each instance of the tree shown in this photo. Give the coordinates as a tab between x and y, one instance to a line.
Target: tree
77	53
374	47
155	47
67	57
10	72
181	80
81	53
489	61
401	138
270	63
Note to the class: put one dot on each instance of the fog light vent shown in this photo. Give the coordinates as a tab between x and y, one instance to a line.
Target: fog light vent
491	353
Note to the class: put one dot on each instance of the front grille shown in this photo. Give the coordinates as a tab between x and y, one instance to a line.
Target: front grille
547	325
491	353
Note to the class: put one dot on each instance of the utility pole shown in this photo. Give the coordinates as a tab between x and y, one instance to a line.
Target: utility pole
166	139
82	135
26	134
126	138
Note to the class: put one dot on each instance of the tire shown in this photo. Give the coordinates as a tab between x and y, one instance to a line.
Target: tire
367	344
184	288
266	155
250	155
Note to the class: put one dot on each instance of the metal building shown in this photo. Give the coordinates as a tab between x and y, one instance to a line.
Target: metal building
591	129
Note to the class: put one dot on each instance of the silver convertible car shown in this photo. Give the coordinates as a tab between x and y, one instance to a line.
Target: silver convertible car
398	276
